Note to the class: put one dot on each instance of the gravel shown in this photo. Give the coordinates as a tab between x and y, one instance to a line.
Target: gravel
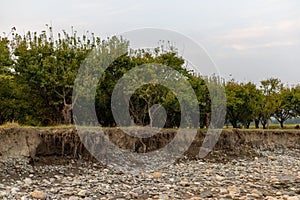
273	175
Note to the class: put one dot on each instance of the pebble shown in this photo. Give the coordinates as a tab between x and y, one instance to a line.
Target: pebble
293	198
27	181
14	190
223	190
38	194
82	193
156	174
273	175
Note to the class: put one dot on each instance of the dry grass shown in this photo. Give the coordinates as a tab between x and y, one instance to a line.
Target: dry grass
14	124
10	125
271	126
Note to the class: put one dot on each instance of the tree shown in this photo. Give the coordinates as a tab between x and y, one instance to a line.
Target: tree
199	85
284	111
147	94
270	89
6	81
235	102
49	67
253	100
242	103
5	56
106	86
96	79
14	101
216	102
295	101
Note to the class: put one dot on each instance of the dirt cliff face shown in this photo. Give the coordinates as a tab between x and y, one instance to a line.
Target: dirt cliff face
17	142
29	143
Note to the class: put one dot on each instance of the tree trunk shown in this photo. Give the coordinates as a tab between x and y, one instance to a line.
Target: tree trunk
264	123
281	124
248	124
150	117
67	113
67	110
256	123
207	119
152	111
233	123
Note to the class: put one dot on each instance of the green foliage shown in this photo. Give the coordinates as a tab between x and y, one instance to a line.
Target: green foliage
243	102
38	70
295	101
5	57
271	100
146	94
284	108
48	68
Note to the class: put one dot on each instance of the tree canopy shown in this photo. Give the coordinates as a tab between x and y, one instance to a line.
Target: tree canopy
38	70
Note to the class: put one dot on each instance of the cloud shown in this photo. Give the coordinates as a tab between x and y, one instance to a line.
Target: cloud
288	25
242	47
261	30
106	8
124	10
283	33
246	33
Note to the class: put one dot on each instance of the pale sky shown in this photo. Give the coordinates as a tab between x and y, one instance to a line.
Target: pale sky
252	40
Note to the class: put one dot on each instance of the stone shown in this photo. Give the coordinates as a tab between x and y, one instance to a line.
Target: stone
14	190
270	198
293	198
171	179
3	193
255	193
156	174
196	198
73	198
233	190
82	193
27	181
38	194
184	183
278	193
223	190
219	178
52	180
243	178
163	196
271	157
206	194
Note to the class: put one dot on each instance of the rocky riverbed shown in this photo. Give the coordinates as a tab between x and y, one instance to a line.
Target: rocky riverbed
269	175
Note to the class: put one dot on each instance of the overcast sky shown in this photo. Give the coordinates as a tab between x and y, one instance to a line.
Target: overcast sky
251	40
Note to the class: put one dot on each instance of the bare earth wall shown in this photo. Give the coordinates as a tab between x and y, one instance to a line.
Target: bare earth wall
32	143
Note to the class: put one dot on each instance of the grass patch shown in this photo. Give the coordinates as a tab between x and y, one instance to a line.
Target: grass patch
14	124
271	127
10	125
